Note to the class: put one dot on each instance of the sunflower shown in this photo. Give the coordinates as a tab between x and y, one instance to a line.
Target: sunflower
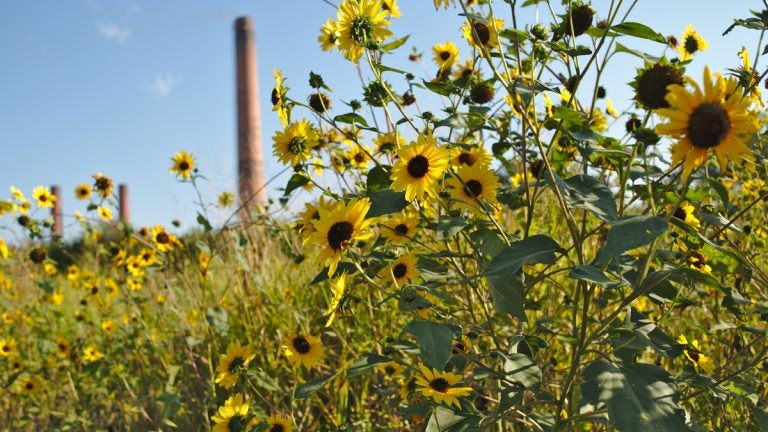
44	197
305	224
359	156
419	168
443	3
401	228
83	192
280	423
391	8
389	142
716	119
226	199
92	354
687	214
691	43
360	24
698	261
7	347
483	34
446	55
461	345
338	288
402	270
105	213
465	72
337	227
439	386
108	326
474	155
306	350
278	98
232	364
232	416
692	352
329	37
18	195
103	185
390	369
163	240
651	84
29	384
183	165
472	185
293	145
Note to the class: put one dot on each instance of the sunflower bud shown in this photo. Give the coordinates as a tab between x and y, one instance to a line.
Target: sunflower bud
319	102
37	255
481	93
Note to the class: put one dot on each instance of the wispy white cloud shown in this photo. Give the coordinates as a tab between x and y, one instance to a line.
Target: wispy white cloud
163	84
112	31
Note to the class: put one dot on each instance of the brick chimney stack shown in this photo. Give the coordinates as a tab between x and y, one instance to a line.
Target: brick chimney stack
250	159
123	203
58	223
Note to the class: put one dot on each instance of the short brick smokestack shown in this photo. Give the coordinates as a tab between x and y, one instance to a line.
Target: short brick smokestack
250	159
58	224
124	205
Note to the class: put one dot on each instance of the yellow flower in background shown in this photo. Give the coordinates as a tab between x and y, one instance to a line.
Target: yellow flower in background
7	347
231	364
692	352
360	23
18	195
280	422
57	297
328	35
29	384
4	254
440	386
108	326
690	43
609	109
163	240
305	350
183	165
483	34
391	8
73	272
293	145
446	55
443	3
103	185
232	416
44	197
50	269
389	142
471	156
403	270
390	369
92	354
698	261
359	156
226	199
465	71
83	191
473	186
105	213
709	120
598	122
336	229
400	228
419	168
687	213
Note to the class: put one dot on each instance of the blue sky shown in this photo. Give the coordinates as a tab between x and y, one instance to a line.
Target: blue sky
118	87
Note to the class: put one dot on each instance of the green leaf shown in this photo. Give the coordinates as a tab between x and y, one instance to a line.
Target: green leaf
434	339
343	267
350	118
639	30
367	362
507	295
591	274
397	43
296	181
448	227
639	397
647	57
441	88
535	249
630	233
445	420
310	387
386	201
263	380
379	178
760	417
591	194
521	370
202	220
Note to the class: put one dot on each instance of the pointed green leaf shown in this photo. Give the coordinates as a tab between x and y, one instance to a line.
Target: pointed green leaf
591	194
386	201
369	361
351	118
535	249
639	30
507	295
434	339
521	370
591	274
630	233
309	388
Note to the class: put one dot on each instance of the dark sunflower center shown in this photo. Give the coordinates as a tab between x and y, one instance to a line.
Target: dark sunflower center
389	370
82	192
467	159
359	157
6	348
43	198
473	188
418	166
277	428
362	29
459	347
440	385
445	55
63	348
29	386
339	234
297	145
401	229
400	270
694	355
466	72
301	344
275	97
708	125
184	165
95	290
102	183
386	147
679	214
481	33
691	45
235	364
162	237
652	85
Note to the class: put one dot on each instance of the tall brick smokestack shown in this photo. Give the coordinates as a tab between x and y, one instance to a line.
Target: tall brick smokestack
58	223
250	159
